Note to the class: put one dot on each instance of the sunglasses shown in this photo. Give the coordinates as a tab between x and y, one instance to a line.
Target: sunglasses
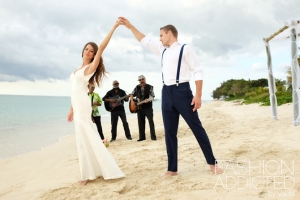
116	83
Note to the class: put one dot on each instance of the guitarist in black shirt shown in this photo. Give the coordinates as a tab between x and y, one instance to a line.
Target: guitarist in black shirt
113	101
145	94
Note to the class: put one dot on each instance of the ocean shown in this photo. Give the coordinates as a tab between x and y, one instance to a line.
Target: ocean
29	123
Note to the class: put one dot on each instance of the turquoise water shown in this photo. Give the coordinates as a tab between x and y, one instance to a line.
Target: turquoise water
29	110
29	123
19	110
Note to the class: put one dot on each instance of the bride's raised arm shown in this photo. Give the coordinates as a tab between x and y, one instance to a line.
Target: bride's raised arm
93	65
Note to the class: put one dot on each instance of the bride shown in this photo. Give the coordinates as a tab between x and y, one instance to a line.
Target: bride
94	158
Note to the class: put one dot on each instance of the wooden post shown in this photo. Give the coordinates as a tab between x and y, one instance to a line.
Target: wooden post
271	82
295	76
276	33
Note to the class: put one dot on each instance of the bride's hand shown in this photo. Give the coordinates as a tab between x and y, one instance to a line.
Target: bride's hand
125	22
117	23
70	116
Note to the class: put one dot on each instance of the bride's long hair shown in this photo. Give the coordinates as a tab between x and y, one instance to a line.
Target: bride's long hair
100	71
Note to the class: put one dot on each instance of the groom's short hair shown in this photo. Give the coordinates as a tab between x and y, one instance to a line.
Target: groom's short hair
171	28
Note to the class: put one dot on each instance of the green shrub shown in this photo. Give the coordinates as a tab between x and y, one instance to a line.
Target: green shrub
254	91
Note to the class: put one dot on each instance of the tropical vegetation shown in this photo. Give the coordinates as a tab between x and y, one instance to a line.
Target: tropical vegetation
253	91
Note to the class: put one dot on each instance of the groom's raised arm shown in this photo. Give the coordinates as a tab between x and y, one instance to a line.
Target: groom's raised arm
154	46
137	34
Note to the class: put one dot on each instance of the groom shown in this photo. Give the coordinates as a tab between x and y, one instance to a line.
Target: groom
177	97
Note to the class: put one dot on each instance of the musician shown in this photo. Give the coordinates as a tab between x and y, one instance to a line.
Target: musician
144	92
95	102
117	111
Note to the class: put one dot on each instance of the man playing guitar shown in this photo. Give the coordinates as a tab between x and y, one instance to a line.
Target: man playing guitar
145	94
114	104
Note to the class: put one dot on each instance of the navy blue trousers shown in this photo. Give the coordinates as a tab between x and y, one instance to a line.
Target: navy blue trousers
176	100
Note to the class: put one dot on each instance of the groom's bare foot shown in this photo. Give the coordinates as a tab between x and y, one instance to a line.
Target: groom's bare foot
169	173
84	182
216	170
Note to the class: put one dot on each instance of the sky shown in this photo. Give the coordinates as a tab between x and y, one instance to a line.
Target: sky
41	41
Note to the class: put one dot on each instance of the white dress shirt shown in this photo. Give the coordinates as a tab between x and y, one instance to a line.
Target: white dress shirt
189	63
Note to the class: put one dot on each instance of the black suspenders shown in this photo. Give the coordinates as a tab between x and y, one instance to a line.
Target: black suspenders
178	66
162	57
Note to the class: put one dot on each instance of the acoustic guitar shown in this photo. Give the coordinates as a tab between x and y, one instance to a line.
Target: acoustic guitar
110	106
135	105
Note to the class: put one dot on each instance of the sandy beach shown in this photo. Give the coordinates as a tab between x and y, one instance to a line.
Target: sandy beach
259	156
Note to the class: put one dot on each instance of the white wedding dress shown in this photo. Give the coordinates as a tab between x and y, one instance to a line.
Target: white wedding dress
94	159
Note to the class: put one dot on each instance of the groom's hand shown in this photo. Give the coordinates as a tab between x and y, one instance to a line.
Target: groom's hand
197	103
137	34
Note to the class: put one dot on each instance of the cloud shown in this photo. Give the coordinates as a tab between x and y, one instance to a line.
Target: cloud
258	67
43	40
8	78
